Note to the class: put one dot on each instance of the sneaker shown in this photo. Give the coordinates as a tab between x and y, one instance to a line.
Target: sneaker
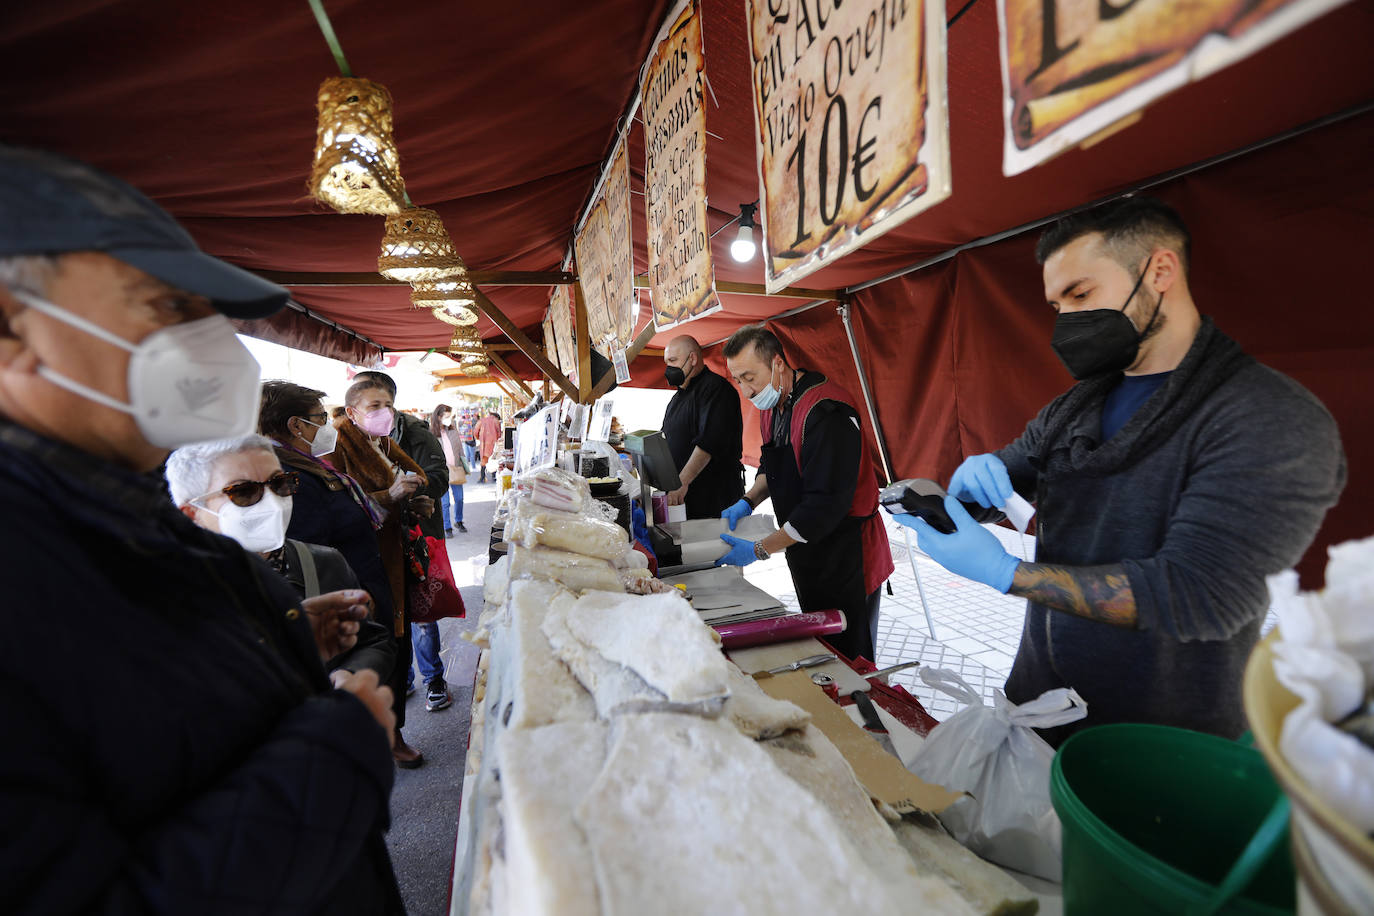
463	528
410	689
437	696
448	532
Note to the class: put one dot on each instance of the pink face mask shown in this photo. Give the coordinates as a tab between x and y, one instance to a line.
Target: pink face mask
377	422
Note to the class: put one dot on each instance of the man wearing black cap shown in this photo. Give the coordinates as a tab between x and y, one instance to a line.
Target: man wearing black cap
213	767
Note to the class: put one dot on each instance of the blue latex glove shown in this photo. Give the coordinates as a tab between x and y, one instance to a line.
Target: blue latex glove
736	512
741	551
972	551
982	479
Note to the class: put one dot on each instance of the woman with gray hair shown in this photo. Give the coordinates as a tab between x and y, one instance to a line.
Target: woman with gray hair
236	487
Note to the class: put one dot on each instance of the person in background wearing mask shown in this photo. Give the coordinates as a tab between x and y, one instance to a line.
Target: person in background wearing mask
236	487
1174	477
705	431
218	750
488	434
329	507
816	466
366	452
442	426
413	435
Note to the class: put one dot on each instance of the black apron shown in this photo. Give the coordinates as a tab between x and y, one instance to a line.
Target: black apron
827	572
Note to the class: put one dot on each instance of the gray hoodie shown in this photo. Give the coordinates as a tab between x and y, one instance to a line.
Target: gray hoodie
1221	478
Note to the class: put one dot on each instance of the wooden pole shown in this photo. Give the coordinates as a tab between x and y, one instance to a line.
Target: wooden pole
584	346
504	368
758	289
527	346
364	278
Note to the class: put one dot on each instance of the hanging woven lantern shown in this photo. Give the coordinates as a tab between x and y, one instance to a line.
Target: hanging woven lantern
416	247
459	316
466	344
453	300
474	368
357	168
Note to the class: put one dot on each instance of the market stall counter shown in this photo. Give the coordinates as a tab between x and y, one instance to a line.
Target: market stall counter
620	762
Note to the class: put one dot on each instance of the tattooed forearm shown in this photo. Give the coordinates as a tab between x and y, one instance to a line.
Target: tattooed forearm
1095	592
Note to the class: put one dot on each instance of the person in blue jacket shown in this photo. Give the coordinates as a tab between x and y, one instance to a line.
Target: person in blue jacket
204	763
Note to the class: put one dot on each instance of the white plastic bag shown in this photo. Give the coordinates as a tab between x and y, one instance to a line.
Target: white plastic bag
991	753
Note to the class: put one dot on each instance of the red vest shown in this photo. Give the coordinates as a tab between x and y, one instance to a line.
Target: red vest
877	553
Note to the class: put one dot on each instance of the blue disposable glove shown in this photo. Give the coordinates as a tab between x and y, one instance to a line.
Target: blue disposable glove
982	479
741	551
736	512
971	551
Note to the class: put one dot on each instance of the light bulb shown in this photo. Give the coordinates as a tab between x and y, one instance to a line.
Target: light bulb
742	248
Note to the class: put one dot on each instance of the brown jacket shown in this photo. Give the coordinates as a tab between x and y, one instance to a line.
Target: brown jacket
355	456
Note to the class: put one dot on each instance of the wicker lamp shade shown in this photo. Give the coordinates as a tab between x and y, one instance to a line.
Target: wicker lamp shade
416	247
453	300
357	168
457	316
467	344
474	368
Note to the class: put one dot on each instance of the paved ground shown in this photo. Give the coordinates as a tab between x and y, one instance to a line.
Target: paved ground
425	802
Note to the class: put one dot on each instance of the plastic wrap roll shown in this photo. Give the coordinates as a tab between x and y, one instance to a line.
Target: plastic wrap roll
780	629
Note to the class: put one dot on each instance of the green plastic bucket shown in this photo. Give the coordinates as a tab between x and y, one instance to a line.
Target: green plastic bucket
1154	819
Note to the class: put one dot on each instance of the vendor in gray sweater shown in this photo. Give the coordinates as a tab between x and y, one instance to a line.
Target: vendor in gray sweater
1174	477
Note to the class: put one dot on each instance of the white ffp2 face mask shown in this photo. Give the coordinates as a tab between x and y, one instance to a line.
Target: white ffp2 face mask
325	440
261	527
187	383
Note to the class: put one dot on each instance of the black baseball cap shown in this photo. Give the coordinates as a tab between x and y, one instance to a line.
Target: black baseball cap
50	205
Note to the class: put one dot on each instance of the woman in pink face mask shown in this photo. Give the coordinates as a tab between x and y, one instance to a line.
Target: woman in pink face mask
366	452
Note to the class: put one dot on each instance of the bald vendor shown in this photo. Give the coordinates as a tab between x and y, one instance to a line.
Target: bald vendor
704	429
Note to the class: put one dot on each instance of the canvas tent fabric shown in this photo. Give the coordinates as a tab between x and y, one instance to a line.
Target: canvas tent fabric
504	114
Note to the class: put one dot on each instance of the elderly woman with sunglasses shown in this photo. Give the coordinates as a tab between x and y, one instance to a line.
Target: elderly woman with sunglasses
236	487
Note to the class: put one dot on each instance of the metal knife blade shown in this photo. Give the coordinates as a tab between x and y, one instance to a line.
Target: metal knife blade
809	662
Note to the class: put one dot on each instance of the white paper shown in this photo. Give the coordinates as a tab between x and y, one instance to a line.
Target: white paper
1019	512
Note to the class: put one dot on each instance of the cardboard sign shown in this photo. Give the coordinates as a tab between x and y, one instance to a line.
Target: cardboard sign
878	771
1072	68
564	329
605	261
851	124
682	275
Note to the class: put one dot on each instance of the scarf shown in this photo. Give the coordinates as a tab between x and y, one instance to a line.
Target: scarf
1070	444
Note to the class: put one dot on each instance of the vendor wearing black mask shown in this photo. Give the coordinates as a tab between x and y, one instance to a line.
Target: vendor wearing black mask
704	430
1174	477
816	466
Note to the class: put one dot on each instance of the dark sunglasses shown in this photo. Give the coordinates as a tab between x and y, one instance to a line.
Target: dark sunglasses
249	492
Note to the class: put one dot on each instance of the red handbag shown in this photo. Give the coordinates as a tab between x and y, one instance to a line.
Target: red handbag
436	595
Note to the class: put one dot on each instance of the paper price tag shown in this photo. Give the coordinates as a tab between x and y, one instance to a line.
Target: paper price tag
622	367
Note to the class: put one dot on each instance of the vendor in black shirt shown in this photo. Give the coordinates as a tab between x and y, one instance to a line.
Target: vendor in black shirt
704	430
816	466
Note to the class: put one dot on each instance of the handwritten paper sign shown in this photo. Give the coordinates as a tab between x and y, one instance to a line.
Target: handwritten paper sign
851	124
682	275
605	261
564	330
1071	68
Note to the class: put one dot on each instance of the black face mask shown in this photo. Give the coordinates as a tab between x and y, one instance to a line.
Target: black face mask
1100	341
675	376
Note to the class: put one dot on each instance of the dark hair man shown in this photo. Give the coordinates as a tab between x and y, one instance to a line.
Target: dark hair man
816	466
217	769
1169	482
705	432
